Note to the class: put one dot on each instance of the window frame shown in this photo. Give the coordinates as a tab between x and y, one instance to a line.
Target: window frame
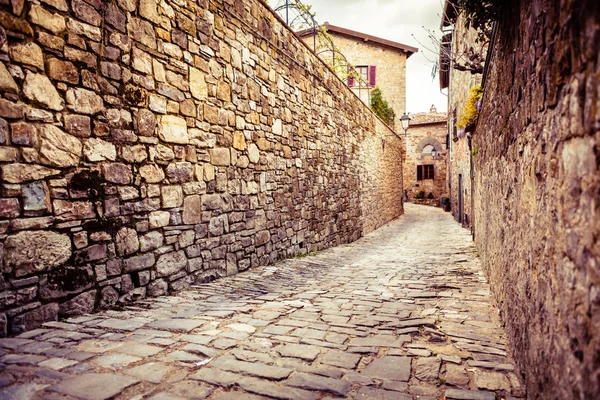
425	172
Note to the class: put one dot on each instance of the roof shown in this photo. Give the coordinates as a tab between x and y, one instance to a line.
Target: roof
449	14
428	118
409	50
445	62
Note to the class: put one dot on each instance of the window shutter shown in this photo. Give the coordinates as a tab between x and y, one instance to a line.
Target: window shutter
419	172
372	75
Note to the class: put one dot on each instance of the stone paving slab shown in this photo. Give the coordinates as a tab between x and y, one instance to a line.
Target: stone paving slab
404	313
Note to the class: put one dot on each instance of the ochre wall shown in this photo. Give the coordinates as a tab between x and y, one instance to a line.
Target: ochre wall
145	147
390	72
537	204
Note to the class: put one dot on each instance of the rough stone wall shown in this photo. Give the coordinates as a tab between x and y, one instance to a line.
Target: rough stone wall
458	92
419	135
391	68
146	146
537	222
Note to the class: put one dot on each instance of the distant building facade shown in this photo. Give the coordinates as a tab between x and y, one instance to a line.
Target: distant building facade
424	169
379	62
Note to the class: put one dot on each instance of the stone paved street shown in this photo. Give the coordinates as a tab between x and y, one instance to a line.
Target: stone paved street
403	313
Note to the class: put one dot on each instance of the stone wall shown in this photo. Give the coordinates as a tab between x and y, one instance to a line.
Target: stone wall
147	146
537	222
423	131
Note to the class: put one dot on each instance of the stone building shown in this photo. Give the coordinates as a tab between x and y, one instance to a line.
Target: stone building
422	171
458	39
379	62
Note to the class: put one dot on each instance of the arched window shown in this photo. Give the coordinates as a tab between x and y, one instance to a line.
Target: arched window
428	148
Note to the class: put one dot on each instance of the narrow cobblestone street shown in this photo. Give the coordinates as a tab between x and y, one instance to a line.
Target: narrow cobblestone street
403	313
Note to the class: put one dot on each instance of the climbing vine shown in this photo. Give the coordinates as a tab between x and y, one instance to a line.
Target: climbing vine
381	107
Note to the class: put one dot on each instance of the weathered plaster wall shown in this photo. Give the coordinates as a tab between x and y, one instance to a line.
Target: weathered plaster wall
146	146
537	222
458	92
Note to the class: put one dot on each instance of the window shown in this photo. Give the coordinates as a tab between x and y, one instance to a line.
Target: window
366	76
424	172
428	149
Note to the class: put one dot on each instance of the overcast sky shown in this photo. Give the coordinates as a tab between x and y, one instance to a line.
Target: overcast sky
394	20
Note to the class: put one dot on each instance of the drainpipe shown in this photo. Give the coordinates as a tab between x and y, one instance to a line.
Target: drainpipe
472	173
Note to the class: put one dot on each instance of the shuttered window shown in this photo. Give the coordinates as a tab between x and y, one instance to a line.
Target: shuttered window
424	172
366	76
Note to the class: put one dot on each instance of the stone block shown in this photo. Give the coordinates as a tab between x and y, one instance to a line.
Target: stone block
144	122
152	173
78	305
19	173
159	219
7	83
220	156
151	241
84	101
180	172
173	129
73	210
78	125
117	173
171	196
23	134
10	208
192	210
171	263
63	71
158	287
28	54
36	196
39	89
127	241
99	150
108	297
52	249
35	318
58	149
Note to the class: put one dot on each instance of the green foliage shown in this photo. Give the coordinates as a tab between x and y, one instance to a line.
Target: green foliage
381	107
420	195
430	196
470	113
481	13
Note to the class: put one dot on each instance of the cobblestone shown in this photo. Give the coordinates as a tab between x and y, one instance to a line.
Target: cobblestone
403	313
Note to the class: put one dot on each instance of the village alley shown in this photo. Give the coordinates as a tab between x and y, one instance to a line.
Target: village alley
403	313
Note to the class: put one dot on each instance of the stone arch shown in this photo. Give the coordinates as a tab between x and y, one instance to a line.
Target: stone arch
428	140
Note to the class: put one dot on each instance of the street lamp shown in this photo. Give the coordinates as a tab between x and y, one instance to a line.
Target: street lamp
433	153
405	121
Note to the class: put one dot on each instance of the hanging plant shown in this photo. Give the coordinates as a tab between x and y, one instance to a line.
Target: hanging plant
471	112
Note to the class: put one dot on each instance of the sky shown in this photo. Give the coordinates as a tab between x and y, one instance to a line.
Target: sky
395	20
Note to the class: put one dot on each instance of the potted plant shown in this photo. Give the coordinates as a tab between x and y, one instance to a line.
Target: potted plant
446	203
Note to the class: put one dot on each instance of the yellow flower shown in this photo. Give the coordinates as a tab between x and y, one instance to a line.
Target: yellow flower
470	113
